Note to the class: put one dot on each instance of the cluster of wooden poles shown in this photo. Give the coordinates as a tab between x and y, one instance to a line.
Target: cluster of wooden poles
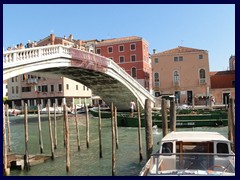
7	147
115	143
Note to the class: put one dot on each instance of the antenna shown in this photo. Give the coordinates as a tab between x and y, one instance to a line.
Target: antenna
181	42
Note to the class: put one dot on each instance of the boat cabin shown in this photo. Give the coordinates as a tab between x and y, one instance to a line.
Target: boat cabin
192	152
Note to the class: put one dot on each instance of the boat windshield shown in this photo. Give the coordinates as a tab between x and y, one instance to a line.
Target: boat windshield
192	162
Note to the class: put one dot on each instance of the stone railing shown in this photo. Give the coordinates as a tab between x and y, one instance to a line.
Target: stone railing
36	54
22	56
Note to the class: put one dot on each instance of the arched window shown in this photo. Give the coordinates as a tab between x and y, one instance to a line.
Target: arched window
156	79
176	76
134	72
202	74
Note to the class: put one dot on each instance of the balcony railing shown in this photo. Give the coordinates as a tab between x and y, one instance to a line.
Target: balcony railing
202	81
32	81
176	83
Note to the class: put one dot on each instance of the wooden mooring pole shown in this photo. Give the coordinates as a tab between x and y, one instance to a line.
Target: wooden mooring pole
6	170
113	143
50	131
67	142
26	156
115	126
100	131
77	128
172	115
139	132
40	130
65	116
55	127
9	131
231	123
164	118
87	126
148	128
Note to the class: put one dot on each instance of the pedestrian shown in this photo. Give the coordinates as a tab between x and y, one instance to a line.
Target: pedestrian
132	108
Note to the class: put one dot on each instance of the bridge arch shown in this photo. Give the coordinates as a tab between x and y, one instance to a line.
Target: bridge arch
102	75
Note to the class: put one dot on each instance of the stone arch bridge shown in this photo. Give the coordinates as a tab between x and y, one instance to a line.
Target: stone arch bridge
102	75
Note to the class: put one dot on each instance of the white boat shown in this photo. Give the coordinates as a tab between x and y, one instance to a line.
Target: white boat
58	110
192	153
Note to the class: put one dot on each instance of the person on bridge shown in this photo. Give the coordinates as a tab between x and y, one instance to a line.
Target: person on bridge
132	108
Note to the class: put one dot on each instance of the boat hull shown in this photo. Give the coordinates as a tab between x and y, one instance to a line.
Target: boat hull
183	120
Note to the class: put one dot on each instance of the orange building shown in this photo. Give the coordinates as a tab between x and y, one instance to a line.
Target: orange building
130	53
183	72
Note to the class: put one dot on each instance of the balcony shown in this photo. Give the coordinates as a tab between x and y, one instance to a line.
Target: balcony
176	83
32	81
202	81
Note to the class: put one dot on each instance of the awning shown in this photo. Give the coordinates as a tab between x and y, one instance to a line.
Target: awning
96	97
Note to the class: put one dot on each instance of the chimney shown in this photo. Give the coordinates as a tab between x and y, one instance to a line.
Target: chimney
52	39
70	37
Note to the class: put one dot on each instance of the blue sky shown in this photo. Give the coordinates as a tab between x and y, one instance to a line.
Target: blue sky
165	26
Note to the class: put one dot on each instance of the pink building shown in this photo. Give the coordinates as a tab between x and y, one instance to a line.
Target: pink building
183	72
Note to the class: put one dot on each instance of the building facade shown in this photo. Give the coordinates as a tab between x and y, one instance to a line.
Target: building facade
131	54
35	90
183	72
222	86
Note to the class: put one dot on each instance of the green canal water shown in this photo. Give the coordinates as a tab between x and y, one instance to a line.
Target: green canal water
85	162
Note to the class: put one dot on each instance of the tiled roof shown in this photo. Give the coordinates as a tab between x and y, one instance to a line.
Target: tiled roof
179	49
222	79
130	38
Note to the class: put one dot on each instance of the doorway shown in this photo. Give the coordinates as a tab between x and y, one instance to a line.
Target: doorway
189	97
225	96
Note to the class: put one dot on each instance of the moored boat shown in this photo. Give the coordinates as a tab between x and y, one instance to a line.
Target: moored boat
192	153
213	119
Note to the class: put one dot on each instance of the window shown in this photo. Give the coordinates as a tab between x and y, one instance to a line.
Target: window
121	48
98	51
52	88
39	88
110	49
156	79
233	83
156	60
200	56
176	81
12	79
84	88
121	59
178	58
134	72
23	77
167	147
12	90
222	148
26	89
133	57
76	87
67	86
16	89
59	87
202	76
44	88
133	47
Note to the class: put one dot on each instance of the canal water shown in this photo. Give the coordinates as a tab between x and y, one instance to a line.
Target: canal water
85	162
